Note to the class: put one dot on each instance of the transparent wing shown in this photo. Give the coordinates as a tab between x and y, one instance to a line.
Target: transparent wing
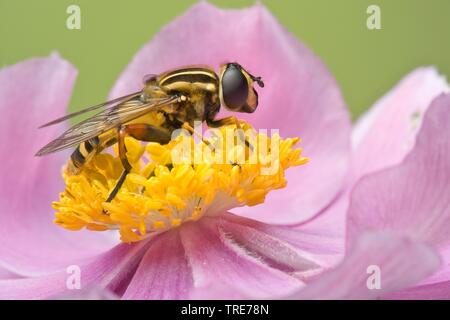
109	103
104	121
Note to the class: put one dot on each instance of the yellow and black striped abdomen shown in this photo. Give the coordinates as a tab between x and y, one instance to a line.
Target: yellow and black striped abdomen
82	154
88	149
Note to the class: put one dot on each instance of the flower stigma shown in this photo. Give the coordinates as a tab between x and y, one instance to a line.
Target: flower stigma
175	183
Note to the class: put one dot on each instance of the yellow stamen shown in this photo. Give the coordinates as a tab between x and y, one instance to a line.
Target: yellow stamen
161	193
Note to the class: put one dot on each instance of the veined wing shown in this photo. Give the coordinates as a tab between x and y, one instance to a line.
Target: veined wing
109	103
104	121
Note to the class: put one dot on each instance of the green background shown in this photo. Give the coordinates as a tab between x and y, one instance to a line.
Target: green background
365	62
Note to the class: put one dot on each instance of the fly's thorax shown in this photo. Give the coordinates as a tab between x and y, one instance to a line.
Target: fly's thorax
190	80
197	87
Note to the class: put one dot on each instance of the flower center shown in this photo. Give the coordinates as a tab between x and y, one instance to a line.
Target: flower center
171	184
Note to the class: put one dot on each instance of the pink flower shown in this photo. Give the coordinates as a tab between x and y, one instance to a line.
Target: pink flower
378	200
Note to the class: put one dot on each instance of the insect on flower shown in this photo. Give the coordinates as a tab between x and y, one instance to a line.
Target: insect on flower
181	96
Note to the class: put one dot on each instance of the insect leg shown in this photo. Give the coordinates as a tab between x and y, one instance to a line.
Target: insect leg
119	184
142	132
188	127
229	121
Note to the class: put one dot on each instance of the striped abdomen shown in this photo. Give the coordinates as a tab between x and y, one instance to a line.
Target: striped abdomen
88	149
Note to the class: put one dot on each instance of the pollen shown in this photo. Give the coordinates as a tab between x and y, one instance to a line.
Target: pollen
176	183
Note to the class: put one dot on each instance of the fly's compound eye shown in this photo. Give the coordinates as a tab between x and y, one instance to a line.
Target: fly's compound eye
234	87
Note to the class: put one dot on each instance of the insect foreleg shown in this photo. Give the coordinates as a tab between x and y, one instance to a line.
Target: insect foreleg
191	130
230	121
142	132
224	122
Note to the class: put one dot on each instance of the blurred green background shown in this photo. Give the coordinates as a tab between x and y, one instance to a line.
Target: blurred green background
365	62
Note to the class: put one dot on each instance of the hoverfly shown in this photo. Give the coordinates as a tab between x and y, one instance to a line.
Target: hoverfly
183	95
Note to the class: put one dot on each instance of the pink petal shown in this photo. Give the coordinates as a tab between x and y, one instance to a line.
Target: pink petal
111	270
413	93
401	261
6	274
267	247
93	293
164	272
413	197
324	235
219	264
443	274
33	92
292	248
300	98
385	135
376	147
437	291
